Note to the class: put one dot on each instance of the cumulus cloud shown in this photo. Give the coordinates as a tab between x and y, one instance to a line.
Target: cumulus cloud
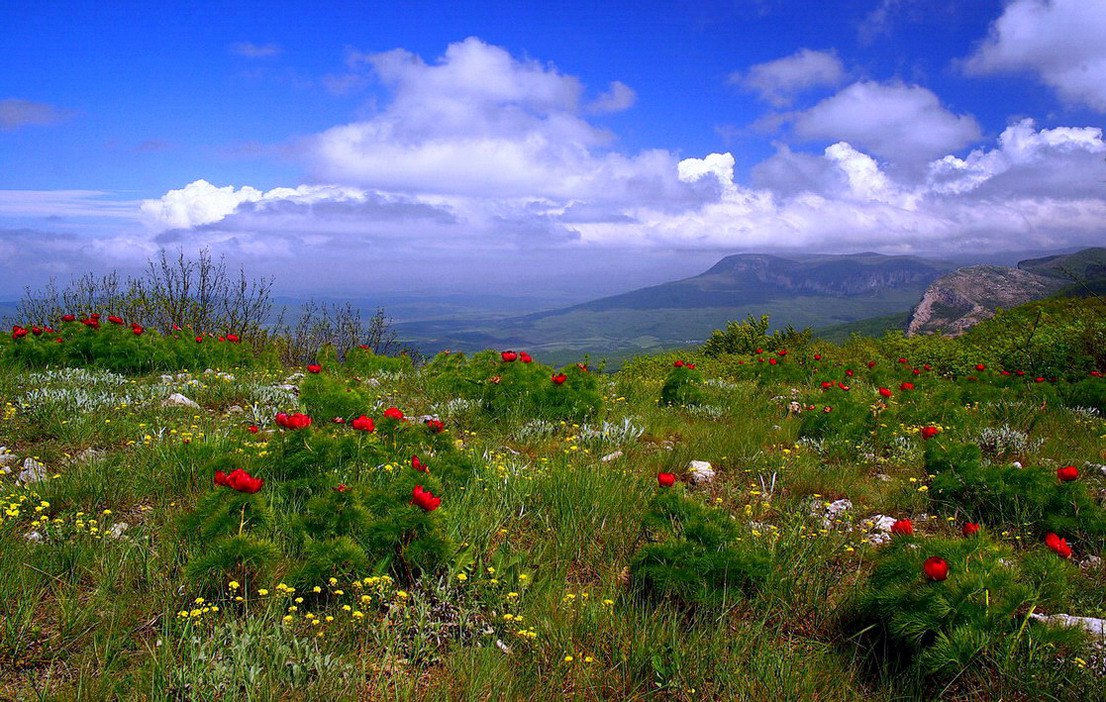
480	163
481	122
15	113
1064	159
779	82
617	98
251	50
899	122
1059	40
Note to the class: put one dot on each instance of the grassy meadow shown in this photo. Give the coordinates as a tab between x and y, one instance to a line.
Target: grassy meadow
882	519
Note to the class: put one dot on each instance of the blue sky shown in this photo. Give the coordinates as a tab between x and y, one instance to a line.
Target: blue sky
549	147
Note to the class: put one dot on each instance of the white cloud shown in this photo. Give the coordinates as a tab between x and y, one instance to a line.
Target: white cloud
902	123
1062	41
481	161
200	202
779	82
617	98
1042	155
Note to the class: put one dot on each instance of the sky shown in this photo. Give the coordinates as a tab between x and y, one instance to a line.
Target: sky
565	149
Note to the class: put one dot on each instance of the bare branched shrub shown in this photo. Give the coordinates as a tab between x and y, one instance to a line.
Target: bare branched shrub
339	326
202	295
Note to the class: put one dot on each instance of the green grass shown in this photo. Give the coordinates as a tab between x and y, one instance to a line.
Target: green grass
535	598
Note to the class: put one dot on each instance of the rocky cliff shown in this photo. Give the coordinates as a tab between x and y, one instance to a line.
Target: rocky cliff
967	296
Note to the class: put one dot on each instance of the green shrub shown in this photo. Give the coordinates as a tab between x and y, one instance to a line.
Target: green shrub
681	387
977	617
695	557
1029	497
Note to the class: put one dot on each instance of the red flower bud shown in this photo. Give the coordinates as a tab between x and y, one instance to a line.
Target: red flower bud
936	568
902	527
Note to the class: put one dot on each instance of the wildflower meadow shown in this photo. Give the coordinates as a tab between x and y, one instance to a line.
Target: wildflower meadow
184	516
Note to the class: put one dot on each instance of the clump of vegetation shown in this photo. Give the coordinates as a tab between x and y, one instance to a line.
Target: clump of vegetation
695	555
682	386
948	606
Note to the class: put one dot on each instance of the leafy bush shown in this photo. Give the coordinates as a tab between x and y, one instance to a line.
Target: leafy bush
515	388
1030	496
695	557
744	338
978	616
682	387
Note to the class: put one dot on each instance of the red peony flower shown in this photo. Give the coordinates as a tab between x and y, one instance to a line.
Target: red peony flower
419	465
1067	474
18	332
906	386
92	322
314	368
36	330
849	372
871	364
936	568
969	529
199	340
1039	379
817	357
902	527
843	387
760	350
68	318
525	357
220	478
902	360
242	481
928	367
827	384
1058	545
59	340
980	367
1096	374
929	432
253	429
678	364
915	371
338	420
363	423
666	479
686	365
782	352
394	413
233	338
508	356
299	420
424	499
584	367
435	425
884	392
827	409
137	329
115	320
559	379
340	487
772	361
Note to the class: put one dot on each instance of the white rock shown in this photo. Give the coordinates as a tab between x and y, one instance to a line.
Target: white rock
881	529
1091	562
610	457
179	400
373	382
835	510
32	472
8	460
1095	627
700	471
1017	464
33	536
117	529
235	409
